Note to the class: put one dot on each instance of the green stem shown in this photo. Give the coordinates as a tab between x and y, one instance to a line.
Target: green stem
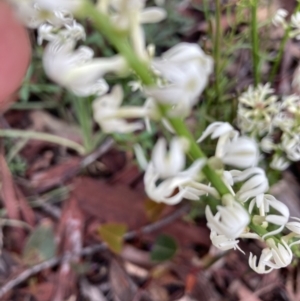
217	50
83	113
255	44
102	23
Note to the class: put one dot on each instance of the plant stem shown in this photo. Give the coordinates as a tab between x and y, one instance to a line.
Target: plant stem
217	50
83	112
255	44
102	23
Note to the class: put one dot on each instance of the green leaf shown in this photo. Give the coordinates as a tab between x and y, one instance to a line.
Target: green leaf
112	234
40	245
164	248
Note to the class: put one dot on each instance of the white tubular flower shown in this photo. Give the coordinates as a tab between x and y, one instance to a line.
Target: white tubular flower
164	191
281	254
129	15
223	243
109	114
242	153
185	68
74	31
279	18
264	203
261	267
67	5
230	220
76	70
279	162
284	121
295	24
256	182
225	134
290	143
267	144
291	103
194	189
34	13
279	220
294	227
258	106
219	129
168	165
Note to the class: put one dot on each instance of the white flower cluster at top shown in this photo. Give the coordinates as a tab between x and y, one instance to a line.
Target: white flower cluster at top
181	74
293	25
274	123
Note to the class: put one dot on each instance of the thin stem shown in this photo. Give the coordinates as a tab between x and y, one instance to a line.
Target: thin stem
217	50
83	112
44	137
103	24
255	44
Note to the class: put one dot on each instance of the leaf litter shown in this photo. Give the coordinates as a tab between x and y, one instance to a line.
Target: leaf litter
172	262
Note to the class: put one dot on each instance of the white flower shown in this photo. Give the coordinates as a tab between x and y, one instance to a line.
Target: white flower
164	191
264	203
256	182
267	144
219	129
241	152
130	15
225	134
261	267
168	165
111	117
76	70
279	18
34	13
185	68
294	226
281	254
295	24
68	5
194	189
224	243
257	106
230	220
279	162
48	32
291	103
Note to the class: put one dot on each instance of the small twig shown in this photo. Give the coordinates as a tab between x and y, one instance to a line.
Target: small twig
100	151
11	133
68	257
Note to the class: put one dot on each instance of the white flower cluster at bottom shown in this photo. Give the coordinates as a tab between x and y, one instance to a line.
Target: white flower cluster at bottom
167	181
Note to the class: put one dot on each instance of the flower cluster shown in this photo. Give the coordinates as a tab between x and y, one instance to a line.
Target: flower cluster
273	122
167	181
292	26
178	77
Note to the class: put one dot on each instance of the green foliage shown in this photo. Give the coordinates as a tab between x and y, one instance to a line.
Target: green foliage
40	245
169	32
165	248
